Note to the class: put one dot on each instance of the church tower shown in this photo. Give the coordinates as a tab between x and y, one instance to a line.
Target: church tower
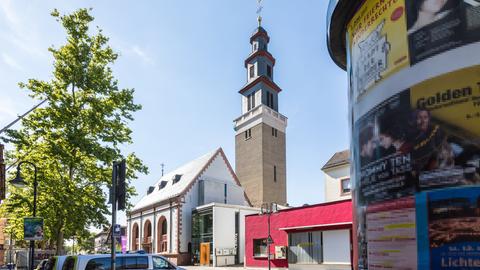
260	156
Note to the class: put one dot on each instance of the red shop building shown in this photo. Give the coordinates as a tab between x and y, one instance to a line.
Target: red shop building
314	236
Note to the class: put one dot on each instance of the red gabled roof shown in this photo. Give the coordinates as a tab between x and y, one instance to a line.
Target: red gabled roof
263	79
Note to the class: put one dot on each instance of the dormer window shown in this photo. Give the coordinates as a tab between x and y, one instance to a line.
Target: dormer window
150	189
176	178
162	185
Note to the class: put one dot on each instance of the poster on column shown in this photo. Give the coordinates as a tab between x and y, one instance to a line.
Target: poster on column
450	223
447	147
423	138
378	43
391	235
436	26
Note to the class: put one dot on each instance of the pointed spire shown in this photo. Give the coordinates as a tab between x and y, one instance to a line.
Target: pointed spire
259	19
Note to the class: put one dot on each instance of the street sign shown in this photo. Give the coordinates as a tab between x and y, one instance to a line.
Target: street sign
33	228
116	230
269	240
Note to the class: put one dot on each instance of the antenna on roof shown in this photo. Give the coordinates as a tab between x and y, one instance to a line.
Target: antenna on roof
163	166
259	12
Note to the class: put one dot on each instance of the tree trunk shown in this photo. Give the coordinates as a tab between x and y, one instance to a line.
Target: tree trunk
59	243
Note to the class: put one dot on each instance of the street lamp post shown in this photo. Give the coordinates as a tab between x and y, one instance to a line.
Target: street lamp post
19	182
268	209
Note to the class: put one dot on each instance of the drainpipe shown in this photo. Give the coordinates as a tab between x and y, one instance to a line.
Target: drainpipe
170	242
154	230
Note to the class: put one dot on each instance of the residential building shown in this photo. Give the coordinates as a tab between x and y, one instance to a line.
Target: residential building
103	239
101	242
161	222
337	177
260	138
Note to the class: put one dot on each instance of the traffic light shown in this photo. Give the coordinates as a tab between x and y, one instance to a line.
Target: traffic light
118	182
121	185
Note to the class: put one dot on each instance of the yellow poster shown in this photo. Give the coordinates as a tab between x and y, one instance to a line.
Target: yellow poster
453	100
378	43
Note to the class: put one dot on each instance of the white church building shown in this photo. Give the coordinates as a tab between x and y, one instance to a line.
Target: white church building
161	222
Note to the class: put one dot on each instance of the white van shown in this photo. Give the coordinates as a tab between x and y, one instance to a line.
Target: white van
122	261
55	263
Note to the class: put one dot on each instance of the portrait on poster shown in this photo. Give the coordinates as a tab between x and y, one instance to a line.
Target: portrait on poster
383	145
447	146
436	26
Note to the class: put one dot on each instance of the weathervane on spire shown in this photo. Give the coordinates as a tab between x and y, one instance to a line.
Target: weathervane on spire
259	12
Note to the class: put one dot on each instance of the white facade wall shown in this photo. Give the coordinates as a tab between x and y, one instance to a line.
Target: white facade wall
191	201
223	234
336	247
333	177
243	213
154	218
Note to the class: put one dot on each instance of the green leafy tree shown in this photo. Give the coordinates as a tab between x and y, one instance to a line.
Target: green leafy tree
75	139
86	243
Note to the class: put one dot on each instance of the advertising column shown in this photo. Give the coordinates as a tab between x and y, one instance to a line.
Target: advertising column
414	95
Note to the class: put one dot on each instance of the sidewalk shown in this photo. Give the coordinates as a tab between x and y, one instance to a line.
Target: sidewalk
190	267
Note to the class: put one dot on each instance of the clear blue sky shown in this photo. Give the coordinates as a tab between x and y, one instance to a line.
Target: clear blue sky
185	61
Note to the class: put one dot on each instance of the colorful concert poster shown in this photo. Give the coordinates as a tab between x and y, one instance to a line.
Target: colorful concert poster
447	148
378	43
423	138
449	228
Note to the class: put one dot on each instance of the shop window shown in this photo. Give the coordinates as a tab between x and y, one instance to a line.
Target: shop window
305	248
345	186
260	247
